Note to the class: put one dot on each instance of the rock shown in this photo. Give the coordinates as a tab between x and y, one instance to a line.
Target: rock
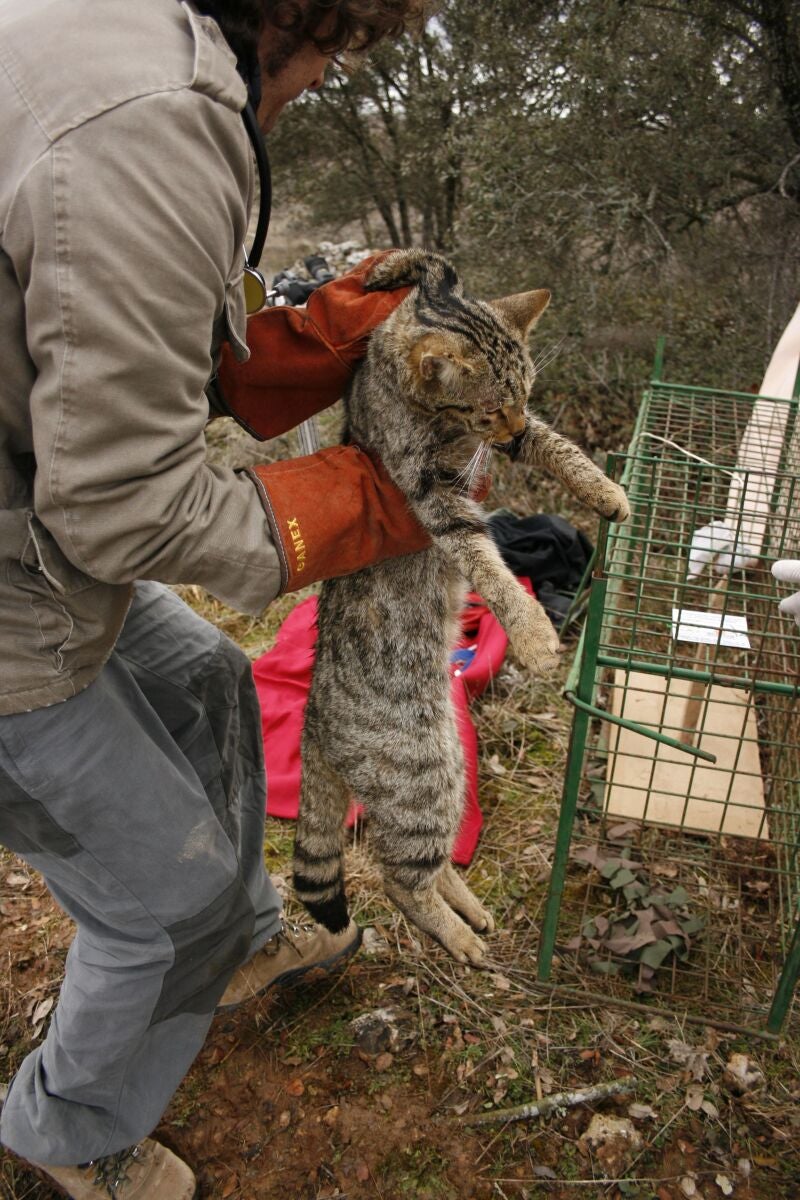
612	1141
373	945
377	1031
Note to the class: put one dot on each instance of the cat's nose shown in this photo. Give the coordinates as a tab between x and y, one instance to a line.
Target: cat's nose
516	422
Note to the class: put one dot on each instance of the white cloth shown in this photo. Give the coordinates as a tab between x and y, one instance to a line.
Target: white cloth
787	570
717	544
748	506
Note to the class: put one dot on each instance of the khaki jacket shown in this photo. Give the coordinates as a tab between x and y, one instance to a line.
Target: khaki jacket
125	185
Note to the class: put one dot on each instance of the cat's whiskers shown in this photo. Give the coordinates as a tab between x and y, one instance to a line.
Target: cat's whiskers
547	355
475	469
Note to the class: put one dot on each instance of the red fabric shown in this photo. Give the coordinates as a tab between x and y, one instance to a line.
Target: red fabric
283	679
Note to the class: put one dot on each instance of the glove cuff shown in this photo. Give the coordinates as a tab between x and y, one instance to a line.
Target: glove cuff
333	513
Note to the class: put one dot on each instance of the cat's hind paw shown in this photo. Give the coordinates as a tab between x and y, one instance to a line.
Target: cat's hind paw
455	892
430	912
465	947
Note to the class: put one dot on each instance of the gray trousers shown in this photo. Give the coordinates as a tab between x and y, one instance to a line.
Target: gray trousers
141	802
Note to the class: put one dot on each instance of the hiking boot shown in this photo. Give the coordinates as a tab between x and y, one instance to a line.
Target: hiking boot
148	1171
287	957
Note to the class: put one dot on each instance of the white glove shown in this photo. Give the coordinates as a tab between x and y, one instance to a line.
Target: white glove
787	570
717	544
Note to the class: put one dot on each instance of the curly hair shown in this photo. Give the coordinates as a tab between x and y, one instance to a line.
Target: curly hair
334	26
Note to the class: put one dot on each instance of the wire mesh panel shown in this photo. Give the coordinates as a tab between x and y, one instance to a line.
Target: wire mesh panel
679	842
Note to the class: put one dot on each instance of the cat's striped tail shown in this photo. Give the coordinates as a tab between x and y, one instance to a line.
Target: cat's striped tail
319	840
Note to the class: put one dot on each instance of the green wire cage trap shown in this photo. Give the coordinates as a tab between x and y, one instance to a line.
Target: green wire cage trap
677	867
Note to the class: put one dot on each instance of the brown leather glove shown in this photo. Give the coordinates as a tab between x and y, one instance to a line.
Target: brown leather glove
334	512
301	359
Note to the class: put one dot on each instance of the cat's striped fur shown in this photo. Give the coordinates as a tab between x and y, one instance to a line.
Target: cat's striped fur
445	377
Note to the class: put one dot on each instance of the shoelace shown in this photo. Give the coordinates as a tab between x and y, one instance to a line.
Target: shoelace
286	934
112	1170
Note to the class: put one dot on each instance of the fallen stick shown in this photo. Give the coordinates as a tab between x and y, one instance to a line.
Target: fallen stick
540	1108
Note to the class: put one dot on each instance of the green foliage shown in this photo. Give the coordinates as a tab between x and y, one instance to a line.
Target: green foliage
418	1171
640	159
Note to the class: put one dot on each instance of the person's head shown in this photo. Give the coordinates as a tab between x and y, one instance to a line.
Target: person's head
295	40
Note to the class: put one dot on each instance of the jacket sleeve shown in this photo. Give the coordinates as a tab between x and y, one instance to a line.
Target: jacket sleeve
127	239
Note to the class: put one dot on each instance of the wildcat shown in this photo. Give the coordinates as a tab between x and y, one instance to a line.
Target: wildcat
445	379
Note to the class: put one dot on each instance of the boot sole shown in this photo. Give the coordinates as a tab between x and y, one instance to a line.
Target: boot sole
294	974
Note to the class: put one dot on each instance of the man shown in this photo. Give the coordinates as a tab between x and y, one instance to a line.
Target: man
131	772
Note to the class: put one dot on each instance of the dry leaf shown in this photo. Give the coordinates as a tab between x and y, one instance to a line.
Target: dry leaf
295	1087
495	766
546	1079
41	1010
618	832
642	1112
724	1184
384	1061
710	1109
688	1186
362	1172
17	879
666	870
692	1058
230	1187
694	1096
501	983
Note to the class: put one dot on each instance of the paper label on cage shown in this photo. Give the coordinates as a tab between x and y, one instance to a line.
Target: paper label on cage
712	628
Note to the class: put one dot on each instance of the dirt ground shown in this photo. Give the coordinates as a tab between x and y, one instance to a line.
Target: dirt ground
290	1100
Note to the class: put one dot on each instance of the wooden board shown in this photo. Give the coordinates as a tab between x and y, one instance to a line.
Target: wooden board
650	781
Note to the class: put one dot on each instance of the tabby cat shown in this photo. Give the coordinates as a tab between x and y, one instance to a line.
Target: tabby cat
446	377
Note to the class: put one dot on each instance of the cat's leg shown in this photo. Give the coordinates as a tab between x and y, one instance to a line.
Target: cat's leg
528	626
460	531
319	839
458	527
413	794
454	890
541	446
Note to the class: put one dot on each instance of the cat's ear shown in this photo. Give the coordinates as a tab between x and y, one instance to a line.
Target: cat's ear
522	311
434	360
446	369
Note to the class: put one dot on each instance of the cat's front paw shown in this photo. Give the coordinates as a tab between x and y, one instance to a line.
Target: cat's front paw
537	645
611	502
